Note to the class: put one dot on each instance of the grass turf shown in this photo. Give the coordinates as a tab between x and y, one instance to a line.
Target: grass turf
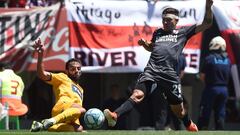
122	132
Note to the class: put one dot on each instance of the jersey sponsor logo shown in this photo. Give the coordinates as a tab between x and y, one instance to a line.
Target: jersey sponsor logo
77	90
167	38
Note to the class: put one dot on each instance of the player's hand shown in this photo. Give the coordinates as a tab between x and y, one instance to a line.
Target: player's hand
38	46
141	41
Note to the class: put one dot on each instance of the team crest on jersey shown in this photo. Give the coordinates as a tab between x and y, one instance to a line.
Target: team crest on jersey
77	90
175	31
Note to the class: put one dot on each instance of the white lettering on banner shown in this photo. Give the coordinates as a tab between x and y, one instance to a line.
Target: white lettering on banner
55	44
126	58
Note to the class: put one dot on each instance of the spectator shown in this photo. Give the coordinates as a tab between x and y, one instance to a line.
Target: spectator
41	3
17	3
11	90
215	74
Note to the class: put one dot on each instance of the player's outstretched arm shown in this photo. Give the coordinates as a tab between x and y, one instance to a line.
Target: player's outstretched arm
147	45
208	18
42	74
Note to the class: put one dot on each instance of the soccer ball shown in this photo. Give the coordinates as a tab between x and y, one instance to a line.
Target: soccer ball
94	118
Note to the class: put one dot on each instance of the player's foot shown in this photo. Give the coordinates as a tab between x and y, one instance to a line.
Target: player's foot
47	123
111	117
36	126
192	127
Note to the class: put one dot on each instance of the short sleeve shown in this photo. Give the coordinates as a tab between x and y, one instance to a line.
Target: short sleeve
56	78
155	35
190	31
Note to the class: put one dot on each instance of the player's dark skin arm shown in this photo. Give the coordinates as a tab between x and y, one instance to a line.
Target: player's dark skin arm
42	74
208	17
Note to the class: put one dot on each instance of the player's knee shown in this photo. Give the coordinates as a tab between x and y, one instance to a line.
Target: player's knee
75	105
82	110
137	96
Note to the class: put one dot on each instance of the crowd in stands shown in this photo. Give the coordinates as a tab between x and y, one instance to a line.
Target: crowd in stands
42	3
27	3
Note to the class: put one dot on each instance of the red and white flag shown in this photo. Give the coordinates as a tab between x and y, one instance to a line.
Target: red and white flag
104	34
227	14
21	27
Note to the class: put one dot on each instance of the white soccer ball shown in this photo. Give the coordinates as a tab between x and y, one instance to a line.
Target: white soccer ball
94	118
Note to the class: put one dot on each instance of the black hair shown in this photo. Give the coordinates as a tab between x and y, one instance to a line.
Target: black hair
170	10
72	60
4	65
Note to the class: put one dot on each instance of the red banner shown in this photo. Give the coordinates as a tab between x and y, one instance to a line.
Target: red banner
21	27
104	36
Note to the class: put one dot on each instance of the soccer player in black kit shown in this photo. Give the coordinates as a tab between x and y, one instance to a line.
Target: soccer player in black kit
160	73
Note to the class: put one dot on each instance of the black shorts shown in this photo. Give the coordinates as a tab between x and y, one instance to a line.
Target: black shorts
172	91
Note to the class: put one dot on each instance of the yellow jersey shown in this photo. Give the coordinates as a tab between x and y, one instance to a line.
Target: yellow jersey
63	86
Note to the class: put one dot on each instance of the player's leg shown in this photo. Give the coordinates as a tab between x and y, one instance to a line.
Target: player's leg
175	99
127	106
64	111
136	97
70	114
177	123
159	108
66	127
180	112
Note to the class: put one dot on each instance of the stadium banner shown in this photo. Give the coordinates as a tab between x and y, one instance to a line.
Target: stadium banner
21	27
104	34
228	20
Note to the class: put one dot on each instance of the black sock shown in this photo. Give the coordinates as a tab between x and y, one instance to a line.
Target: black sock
125	107
186	120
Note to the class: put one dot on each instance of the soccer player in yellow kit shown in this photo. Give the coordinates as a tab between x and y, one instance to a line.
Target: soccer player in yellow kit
68	94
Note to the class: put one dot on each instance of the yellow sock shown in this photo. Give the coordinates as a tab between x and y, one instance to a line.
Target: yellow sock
62	127
69	114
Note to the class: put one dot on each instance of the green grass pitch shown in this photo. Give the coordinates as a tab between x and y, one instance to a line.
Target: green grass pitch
122	132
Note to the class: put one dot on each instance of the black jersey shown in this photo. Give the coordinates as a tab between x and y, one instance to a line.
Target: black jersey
167	48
